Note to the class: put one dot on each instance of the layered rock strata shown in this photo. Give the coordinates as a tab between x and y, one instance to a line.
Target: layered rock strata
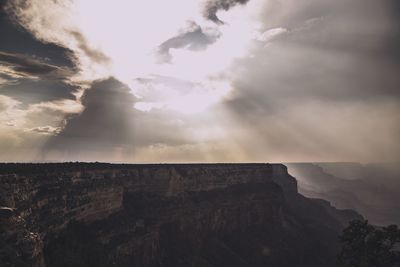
82	214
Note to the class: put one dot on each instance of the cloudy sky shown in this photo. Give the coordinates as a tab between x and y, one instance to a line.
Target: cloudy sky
200	80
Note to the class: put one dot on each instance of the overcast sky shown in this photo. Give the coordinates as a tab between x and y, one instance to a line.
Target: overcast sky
200	80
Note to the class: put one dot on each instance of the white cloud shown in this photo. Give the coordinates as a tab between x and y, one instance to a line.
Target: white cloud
46	130
65	106
195	98
10	113
124	41
270	34
7	103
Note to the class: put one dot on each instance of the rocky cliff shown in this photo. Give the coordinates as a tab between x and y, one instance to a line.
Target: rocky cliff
81	214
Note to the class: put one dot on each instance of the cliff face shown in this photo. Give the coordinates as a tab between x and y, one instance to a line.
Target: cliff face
162	215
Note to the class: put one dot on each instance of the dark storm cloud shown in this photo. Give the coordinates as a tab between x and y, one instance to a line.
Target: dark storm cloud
23	66
35	91
32	71
109	126
105	124
213	6
192	38
31	80
16	39
108	105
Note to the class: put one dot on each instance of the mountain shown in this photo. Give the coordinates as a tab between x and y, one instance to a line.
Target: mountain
371	189
95	214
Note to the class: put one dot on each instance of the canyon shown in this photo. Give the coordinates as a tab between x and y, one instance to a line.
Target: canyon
98	214
372	189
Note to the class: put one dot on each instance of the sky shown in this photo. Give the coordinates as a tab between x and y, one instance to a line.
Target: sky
200	80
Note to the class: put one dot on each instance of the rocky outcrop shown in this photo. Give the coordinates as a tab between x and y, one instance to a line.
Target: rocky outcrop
81	214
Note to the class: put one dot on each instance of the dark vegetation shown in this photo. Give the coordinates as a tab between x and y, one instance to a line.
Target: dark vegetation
364	245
